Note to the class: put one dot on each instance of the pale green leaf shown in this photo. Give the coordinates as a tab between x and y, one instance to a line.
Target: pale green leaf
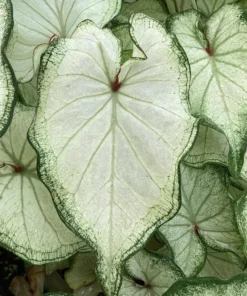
223	265
153	8
149	274
112	164
7	89
29	92
208	7
241	216
37	22
122	32
82	271
218	60
53	266
210	146
90	290
175	6
236	286
206	216
30	225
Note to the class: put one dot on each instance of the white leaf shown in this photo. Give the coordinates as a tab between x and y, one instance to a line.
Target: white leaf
30	226
208	7
218	60
38	22
110	142
149	274
206	217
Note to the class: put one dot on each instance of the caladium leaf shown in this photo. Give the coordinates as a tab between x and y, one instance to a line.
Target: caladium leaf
7	89
29	92
223	265
112	164
153	8
149	274
208	7
218	63
175	6
206	217
241	210
82	271
210	146
52	267
236	286
30	226
91	290
38	22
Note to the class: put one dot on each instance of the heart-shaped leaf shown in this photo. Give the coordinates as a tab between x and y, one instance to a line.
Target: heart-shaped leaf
206	217
38	22
149	274
112	164
7	89
236	286
223	265
30	226
218	60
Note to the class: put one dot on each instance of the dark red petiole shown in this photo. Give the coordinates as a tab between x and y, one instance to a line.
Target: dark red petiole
16	169
52	37
209	50
116	84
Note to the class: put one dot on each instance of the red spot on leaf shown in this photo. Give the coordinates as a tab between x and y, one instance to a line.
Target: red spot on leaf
209	50
196	229
17	169
116	84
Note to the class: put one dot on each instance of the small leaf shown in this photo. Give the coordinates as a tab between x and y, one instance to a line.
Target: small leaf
149	274
112	164
206	217
37	23
30	225
218	92
223	265
210	146
236	286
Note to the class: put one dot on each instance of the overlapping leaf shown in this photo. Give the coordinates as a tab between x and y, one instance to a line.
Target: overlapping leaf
30	226
208	7
175	6
218	60
223	265
236	286
37	22
210	146
112	164
149	274
206	217
7	89
153	8
29	92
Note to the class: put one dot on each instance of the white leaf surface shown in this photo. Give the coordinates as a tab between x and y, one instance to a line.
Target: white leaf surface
38	22
218	60
148	275
30	226
7	89
206	217
112	163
